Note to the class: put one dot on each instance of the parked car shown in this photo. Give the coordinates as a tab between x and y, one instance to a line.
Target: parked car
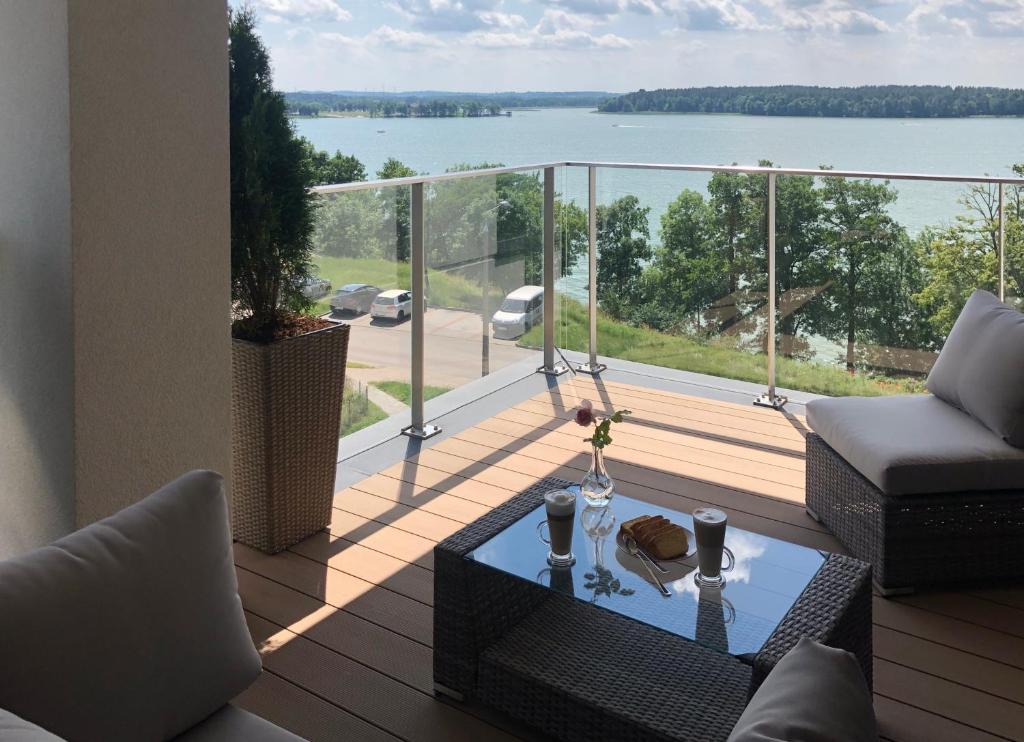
521	310
393	304
314	287
354	297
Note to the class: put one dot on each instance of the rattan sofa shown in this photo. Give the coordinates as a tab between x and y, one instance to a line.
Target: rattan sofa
930	488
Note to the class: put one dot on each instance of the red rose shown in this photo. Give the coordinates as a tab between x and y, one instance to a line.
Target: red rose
584	416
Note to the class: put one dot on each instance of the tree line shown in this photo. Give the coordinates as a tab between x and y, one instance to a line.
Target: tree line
874	101
433	104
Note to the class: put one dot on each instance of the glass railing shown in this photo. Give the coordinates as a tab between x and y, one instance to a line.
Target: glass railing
821	281
680	277
363	246
484	251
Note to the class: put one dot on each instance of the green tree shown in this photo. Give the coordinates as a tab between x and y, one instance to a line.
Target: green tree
964	255
521	227
799	249
732	214
350	225
872	274
272	210
687	274
623	249
397	206
326	169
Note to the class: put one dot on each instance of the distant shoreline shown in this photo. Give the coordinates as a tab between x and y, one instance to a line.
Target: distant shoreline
812	101
812	118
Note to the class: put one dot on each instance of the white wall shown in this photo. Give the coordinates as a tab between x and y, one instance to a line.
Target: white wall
151	238
36	361
114	256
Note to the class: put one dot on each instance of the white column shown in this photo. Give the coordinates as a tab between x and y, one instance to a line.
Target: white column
114	256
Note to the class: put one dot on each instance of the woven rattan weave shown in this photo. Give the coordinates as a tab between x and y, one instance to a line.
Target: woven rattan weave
286	412
917	541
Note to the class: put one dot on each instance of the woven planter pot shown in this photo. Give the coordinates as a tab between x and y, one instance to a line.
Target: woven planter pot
286	412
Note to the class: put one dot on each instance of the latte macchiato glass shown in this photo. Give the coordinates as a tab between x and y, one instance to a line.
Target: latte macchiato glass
560	507
709	526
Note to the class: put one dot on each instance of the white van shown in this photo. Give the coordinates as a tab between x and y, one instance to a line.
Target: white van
521	310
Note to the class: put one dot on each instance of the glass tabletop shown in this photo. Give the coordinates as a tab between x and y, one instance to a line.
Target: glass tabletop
738	619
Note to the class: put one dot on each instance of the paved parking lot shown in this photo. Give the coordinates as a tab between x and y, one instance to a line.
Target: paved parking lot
452	347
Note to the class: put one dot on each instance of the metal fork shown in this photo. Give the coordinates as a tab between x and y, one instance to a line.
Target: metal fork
646	556
634	550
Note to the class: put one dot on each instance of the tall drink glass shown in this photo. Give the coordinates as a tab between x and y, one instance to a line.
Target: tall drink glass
560	507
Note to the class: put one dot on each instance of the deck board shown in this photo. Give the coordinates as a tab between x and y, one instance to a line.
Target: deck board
344	619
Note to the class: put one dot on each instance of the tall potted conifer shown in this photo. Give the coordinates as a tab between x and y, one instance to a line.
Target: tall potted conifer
288	368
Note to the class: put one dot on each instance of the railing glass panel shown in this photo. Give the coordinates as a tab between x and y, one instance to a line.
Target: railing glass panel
681	272
484	252
871	274
363	248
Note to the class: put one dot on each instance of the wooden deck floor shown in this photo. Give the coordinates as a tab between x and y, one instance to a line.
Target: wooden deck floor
344	619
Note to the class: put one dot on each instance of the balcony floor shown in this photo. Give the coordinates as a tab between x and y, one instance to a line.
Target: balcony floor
343	619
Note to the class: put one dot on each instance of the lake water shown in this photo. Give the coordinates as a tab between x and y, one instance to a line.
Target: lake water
935	146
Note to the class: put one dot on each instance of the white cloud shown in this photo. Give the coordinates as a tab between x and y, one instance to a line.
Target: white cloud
601	8
832	16
826	16
288	11
715	15
450	15
968	17
559	20
556	29
495	19
386	36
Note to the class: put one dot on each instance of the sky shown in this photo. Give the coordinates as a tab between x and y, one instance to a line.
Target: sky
623	45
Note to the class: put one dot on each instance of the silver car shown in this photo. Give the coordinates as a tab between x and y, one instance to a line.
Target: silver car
313	287
354	297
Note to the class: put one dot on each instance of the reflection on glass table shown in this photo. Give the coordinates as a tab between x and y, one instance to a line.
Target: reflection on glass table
768	576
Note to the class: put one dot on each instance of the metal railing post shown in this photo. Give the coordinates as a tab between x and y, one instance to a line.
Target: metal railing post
770	398
591	366
1002	244
550	255
418	428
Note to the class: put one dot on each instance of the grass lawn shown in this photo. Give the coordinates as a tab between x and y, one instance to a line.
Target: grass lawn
445	289
619	340
358	412
402	391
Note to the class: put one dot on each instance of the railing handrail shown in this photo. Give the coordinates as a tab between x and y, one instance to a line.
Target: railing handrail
363	185
817	172
676	167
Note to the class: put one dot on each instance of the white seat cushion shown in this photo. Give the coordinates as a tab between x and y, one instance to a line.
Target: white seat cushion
131	628
916	444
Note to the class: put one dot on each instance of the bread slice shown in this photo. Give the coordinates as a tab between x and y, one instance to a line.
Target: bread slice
642	530
630	525
670	543
650	533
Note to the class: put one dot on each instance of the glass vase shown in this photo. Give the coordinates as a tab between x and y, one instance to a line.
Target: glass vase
597	487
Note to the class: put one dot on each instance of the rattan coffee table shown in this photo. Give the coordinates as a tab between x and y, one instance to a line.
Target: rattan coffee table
595	652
